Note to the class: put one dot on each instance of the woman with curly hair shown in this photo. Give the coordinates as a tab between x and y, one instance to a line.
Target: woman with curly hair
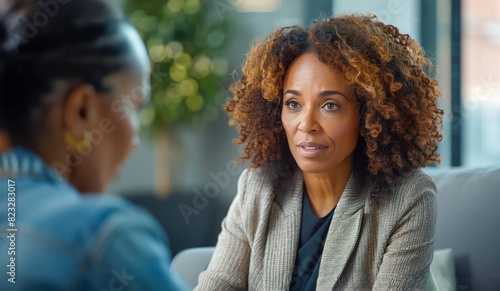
336	121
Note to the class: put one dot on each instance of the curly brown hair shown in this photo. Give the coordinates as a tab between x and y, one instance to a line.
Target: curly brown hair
391	80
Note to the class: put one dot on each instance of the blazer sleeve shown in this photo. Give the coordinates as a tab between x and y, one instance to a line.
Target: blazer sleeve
409	252
229	266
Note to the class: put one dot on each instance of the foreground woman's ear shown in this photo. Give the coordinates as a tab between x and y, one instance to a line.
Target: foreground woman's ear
80	110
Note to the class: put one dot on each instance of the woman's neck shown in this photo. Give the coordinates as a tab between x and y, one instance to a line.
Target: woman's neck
325	189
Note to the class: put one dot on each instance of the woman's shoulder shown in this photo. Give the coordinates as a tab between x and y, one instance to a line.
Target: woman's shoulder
255	181
257	177
263	189
414	180
410	189
265	181
91	214
75	221
112	209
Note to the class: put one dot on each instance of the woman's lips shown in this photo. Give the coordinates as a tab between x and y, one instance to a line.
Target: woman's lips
311	149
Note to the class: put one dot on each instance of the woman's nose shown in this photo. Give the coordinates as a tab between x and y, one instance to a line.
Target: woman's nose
308	122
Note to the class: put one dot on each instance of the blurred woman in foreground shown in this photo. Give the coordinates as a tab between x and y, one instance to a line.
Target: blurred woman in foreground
72	77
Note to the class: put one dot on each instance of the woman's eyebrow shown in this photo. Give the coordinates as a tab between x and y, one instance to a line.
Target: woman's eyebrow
328	93
294	92
322	94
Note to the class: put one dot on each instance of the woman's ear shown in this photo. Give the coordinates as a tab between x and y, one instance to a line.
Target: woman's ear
80	109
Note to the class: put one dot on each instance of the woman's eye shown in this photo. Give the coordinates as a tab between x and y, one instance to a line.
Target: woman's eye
292	105
331	106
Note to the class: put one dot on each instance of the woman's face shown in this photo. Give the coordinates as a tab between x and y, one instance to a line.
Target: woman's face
115	133
118	127
319	117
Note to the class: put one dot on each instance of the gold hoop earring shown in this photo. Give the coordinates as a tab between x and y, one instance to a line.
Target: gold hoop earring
70	141
84	147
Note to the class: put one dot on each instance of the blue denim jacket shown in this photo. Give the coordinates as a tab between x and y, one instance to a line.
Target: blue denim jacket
53	238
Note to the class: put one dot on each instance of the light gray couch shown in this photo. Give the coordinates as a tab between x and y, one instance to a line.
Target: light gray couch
469	223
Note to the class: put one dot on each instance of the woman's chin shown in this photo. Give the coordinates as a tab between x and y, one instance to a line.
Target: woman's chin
312	169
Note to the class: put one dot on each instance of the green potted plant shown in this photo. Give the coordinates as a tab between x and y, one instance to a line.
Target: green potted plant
186	41
186	45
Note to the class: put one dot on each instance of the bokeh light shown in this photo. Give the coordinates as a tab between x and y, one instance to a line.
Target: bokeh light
194	103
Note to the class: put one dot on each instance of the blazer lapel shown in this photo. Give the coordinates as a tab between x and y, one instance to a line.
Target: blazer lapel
283	236
342	235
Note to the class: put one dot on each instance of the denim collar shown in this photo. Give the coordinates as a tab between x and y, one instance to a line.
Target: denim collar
21	162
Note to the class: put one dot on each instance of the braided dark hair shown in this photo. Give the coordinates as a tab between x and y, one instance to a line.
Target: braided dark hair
45	41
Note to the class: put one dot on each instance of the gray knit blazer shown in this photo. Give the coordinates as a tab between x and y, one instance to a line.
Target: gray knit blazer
384	245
